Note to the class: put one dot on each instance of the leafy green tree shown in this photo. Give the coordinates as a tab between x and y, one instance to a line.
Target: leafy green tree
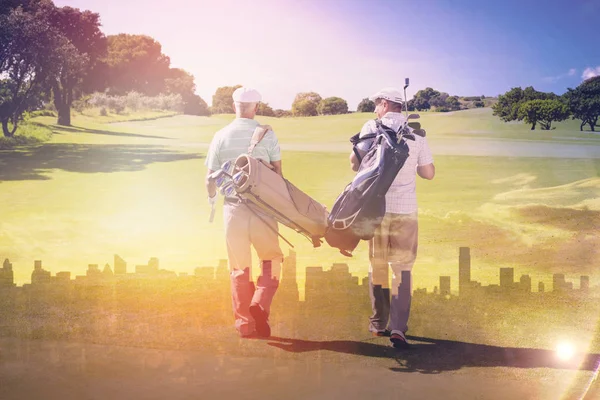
544	112
423	98
365	105
222	103
6	6
265	110
410	105
31	53
584	102
194	105
181	82
136	63
305	104
452	103
507	107
82	30
279	113
332	106
439	101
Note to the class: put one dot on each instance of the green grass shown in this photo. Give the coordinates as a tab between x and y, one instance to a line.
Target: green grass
136	189
28	133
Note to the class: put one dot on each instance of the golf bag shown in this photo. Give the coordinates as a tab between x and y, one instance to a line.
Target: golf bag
265	192
268	192
359	210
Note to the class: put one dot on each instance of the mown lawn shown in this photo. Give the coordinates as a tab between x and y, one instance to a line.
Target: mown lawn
136	189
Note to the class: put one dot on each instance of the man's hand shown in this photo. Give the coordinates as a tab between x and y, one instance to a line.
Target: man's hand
212	200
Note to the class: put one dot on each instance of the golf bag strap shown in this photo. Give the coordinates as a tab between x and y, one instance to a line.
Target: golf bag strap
257	136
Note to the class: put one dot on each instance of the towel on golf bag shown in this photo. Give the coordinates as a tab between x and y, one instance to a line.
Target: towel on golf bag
359	210
263	188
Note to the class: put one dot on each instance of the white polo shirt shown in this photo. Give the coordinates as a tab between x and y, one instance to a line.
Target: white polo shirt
401	198
234	140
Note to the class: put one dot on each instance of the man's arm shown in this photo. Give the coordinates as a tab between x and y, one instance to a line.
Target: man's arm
277	167
426	171
211	187
354	162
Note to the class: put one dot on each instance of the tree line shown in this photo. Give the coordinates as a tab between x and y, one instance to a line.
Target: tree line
59	54
542	108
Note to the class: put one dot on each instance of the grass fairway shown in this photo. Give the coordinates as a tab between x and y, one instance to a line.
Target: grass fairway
136	189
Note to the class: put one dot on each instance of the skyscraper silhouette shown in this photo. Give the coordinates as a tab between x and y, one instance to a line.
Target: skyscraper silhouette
464	270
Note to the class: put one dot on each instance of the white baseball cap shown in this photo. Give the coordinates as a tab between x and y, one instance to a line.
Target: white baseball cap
388	93
246	95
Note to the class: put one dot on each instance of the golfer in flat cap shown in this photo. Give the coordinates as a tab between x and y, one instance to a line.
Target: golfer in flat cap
395	242
243	228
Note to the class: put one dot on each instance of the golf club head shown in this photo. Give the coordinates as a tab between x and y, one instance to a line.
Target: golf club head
414	116
221	180
406	82
228	167
237	178
228	190
216	174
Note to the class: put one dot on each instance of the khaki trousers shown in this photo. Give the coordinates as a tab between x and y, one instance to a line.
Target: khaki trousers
244	229
394	247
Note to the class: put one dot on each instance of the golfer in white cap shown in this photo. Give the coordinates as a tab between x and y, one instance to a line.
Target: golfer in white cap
243	228
395	242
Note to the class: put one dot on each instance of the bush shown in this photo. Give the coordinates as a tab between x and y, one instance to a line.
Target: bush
265	110
42	113
81	104
103	112
365	105
195	105
279	113
332	106
137	102
305	104
478	104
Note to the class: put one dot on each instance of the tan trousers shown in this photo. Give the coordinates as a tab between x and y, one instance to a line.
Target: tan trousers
394	247
243	229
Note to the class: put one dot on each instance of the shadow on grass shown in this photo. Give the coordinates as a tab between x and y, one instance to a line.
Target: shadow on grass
57	128
34	162
432	356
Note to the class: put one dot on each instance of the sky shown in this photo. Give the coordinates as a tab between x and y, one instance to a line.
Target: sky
353	48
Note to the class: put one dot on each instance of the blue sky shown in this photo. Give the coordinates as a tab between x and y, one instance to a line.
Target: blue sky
352	48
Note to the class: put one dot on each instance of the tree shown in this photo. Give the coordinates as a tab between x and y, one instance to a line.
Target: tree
222	103
136	63
179	81
194	105
544	112
6	6
422	99
279	113
30	55
452	103
507	107
439	100
305	104
410	105
584	102
365	105
82	30
332	106
265	109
